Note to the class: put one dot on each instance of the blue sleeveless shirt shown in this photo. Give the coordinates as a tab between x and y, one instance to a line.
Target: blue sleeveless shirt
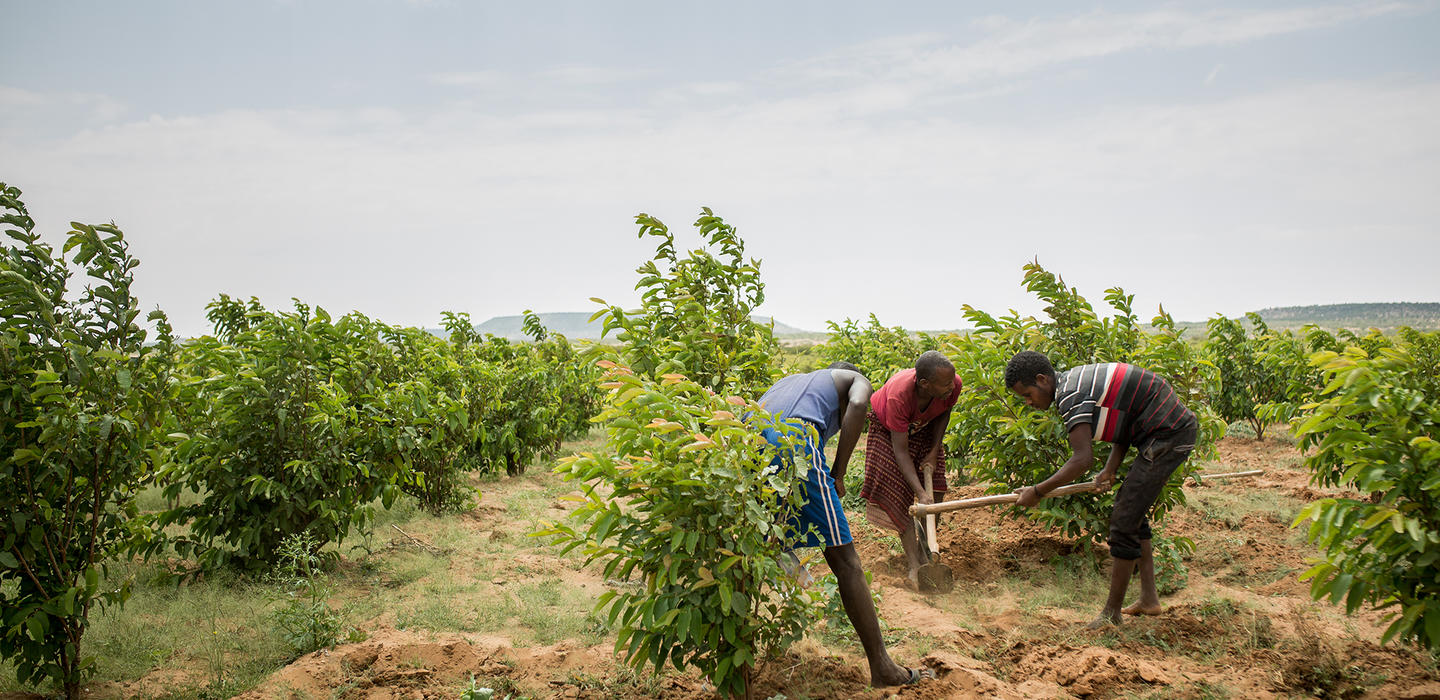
810	397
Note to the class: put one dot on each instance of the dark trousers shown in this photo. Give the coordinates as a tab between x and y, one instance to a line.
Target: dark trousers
1159	456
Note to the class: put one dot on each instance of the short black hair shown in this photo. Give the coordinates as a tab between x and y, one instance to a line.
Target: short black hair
1025	366
841	364
931	361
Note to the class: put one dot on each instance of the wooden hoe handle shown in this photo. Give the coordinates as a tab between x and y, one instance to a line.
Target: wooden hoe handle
998	499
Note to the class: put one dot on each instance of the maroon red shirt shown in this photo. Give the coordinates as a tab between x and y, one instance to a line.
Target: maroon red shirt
894	403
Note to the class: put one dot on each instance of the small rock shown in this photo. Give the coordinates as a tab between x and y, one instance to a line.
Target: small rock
498	581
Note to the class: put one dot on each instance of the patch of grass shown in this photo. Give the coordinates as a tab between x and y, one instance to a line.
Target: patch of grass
623	682
1067	582
552	611
1230	507
221	625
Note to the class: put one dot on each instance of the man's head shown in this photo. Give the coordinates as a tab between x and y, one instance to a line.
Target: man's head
845	365
1030	376
934	375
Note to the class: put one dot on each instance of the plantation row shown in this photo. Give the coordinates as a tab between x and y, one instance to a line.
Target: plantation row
280	424
295	423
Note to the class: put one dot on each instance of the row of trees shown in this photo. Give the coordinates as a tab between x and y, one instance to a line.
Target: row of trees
278	424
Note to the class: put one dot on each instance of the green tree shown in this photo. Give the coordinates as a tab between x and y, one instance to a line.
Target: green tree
544	391
683	495
1259	374
282	416
1000	441
685	501
694	316
83	392
1375	427
878	351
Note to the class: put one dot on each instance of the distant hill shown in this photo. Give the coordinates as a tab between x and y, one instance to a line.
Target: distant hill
1389	315
1385	316
575	325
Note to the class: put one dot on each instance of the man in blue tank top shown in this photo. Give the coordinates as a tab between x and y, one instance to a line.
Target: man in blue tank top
835	400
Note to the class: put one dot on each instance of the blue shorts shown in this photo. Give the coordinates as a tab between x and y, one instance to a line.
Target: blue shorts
821	508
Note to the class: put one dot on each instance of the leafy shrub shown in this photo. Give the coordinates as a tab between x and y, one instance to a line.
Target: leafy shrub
82	391
694	316
1171	574
684	499
878	351
430	407
282	414
683	495
1261	376
999	440
543	392
1376	428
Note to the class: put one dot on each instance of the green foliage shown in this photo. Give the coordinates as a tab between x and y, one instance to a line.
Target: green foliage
694	316
684	499
285	415
305	619
1376	428
801	358
701	522
1261	376
1171	574
878	351
544	391
431	404
82	393
999	440
832	607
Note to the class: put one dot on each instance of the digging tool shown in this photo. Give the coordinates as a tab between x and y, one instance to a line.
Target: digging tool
934	577
1000	499
1231	475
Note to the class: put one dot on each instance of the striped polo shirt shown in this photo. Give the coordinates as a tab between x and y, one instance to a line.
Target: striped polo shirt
1119	401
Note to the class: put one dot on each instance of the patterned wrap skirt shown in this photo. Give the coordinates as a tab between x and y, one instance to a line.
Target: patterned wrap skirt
888	494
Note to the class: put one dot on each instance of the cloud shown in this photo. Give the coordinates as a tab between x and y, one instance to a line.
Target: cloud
1011	47
23	107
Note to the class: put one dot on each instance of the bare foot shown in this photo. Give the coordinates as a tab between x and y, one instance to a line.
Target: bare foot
900	675
1143	608
1106	619
914	579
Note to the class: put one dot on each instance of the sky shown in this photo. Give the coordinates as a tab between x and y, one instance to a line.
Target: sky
903	159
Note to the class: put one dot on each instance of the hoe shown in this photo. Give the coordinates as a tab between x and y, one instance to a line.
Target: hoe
938	578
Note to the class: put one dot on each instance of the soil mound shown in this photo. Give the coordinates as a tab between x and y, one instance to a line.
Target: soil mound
1084	671
390	664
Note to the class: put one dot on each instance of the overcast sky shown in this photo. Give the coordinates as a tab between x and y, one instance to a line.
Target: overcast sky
407	158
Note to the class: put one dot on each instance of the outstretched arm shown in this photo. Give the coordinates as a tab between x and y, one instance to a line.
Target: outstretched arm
1082	459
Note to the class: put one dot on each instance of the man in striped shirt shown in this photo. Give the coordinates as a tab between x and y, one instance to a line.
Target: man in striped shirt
1125	405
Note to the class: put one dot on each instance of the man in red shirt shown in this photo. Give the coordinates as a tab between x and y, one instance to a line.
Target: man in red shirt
908	417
